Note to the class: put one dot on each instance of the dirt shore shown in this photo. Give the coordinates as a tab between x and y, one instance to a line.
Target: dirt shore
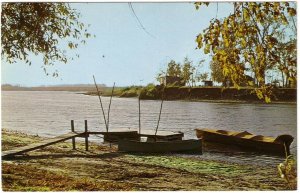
59	168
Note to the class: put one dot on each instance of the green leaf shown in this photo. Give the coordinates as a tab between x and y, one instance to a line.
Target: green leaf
250	83
267	99
207	49
259	94
246	15
226	42
243	43
199	41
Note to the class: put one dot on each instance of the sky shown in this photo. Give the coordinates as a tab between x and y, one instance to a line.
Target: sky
132	56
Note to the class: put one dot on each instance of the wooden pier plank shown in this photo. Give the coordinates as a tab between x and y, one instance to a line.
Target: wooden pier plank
41	144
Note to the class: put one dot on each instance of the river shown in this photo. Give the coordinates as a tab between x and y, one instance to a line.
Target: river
48	114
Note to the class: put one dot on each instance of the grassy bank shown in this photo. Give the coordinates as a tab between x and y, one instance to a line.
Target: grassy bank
205	94
59	168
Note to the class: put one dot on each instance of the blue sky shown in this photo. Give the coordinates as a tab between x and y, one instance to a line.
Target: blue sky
132	57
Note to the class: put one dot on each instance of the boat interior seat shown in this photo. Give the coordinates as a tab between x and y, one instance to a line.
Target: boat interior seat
258	137
222	131
242	134
263	138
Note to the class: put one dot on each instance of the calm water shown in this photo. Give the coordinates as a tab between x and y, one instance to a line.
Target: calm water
49	113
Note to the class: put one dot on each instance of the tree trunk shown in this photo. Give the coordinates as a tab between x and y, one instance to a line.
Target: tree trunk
262	77
282	75
286	81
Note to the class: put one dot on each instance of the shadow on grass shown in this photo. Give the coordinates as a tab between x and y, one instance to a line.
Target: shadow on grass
64	155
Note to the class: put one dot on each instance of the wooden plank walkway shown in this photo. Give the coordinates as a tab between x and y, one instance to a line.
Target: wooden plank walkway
41	144
113	135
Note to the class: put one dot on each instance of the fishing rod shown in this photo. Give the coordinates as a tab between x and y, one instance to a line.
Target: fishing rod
101	104
139	113
161	105
112	93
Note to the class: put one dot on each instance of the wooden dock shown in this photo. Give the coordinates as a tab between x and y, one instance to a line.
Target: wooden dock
42	144
112	136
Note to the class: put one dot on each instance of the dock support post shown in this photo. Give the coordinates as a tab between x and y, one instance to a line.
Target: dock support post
86	136
73	130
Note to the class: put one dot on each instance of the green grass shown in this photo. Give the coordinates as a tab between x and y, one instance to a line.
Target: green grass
16	139
103	168
192	165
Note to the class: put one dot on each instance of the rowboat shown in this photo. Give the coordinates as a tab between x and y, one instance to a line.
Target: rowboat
187	146
115	134
161	135
247	141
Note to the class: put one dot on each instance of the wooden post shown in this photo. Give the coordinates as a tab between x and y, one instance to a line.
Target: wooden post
86	136
139	114
73	130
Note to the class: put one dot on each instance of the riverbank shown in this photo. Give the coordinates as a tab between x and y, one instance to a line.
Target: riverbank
59	168
204	94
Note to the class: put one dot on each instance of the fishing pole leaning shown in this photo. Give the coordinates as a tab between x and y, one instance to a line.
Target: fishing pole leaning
101	104
112	93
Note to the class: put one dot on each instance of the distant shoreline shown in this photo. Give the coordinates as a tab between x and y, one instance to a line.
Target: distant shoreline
206	94
238	101
72	88
108	92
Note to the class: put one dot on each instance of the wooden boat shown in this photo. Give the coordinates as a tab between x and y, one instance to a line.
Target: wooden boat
161	135
114	135
188	146
159	141
248	141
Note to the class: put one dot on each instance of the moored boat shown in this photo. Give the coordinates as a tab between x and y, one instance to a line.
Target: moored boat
187	146
245	140
116	134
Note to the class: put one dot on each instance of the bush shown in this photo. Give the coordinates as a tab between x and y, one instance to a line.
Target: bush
151	92
132	91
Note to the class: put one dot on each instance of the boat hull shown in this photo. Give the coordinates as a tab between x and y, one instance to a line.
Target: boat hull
187	146
115	136
275	148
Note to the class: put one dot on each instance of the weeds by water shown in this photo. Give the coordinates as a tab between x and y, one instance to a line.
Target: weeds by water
287	170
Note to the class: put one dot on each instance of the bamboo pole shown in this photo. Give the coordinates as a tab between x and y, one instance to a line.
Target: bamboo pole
112	92
139	113
101	104
86	135
161	105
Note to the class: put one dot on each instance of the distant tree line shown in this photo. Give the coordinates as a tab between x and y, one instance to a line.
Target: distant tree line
187	73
